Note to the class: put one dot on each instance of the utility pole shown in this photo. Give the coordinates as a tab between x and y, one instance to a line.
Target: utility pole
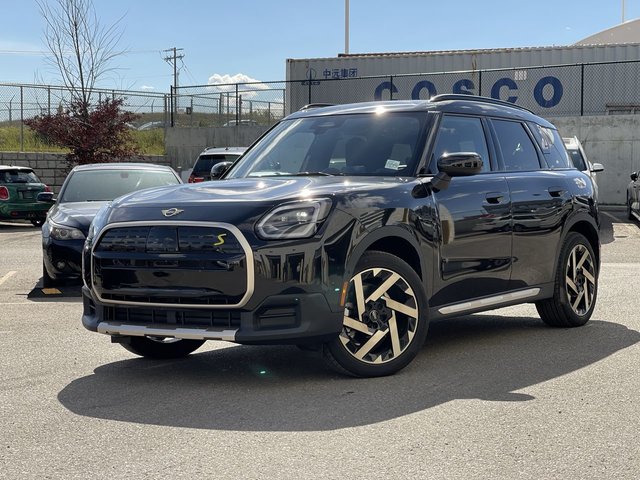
346	28
173	60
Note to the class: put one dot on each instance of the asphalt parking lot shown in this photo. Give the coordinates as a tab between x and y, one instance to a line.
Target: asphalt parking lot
495	395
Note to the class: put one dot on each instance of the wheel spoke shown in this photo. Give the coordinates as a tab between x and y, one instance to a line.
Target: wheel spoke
357	283
584	258
395	339
356	325
373	341
572	264
587	302
572	285
587	274
577	302
400	307
382	289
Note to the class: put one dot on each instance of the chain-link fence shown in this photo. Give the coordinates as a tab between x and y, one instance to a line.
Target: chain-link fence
559	90
22	102
257	103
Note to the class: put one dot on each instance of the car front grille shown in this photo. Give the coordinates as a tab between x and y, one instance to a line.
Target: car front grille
170	265
172	318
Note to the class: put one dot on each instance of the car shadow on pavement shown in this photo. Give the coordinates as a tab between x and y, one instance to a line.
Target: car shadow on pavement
243	388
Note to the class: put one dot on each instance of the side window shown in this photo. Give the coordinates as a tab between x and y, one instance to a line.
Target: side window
461	134
555	153
518	151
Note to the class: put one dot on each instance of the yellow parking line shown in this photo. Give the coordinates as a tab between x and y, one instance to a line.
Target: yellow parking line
7	277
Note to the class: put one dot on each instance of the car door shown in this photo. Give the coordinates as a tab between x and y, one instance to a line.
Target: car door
474	217
540	196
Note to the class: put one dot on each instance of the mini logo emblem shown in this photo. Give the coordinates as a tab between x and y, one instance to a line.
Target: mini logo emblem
172	212
580	183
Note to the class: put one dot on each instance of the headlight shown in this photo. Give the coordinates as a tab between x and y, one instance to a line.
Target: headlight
294	220
65	233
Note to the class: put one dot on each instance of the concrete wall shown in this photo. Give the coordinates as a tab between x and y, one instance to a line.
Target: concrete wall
183	145
613	141
51	168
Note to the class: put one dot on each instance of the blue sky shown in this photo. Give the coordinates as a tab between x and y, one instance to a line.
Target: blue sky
251	39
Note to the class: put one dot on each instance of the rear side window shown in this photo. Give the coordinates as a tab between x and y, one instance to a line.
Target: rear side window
555	153
461	134
18	176
516	146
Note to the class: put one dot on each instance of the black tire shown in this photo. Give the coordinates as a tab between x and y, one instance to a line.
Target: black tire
161	348
47	281
576	285
391	328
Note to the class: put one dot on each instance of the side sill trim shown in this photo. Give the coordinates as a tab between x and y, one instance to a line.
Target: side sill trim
162	331
489	301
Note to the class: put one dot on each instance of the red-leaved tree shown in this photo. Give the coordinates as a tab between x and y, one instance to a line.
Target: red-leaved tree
93	134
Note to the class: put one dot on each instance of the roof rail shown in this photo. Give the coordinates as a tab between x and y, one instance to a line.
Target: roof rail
476	98
316	105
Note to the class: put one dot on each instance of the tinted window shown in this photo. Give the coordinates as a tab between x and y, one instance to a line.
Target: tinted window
18	176
205	162
99	185
360	144
552	146
577	160
461	134
518	151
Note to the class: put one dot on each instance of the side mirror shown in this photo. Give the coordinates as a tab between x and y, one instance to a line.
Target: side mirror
460	164
46	197
634	176
597	167
219	169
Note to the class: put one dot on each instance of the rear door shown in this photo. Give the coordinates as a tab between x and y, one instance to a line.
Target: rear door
475	218
540	195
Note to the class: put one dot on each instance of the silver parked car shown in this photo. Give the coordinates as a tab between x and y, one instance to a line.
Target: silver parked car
579	158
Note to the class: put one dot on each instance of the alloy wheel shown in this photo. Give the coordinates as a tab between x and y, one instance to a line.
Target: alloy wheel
381	316
580	279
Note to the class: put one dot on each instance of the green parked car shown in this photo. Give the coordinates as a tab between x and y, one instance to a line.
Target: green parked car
19	189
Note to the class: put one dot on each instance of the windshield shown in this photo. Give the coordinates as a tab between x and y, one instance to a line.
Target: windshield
577	160
102	185
387	144
18	176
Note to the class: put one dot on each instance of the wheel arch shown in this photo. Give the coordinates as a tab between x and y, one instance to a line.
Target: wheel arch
589	230
394	240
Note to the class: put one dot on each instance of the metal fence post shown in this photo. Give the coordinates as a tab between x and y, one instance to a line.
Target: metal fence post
391	89
479	83
237	112
49	100
582	90
21	119
172	99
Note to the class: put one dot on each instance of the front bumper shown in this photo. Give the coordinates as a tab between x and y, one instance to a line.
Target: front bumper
63	259
280	319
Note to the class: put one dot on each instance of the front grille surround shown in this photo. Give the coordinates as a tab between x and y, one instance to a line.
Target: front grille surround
244	244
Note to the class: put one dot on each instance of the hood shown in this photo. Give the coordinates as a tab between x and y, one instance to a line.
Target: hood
238	200
75	214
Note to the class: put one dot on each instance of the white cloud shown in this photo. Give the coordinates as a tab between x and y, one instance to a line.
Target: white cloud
249	87
147	87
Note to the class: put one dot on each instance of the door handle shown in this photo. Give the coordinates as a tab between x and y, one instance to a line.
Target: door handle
494	198
556	191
